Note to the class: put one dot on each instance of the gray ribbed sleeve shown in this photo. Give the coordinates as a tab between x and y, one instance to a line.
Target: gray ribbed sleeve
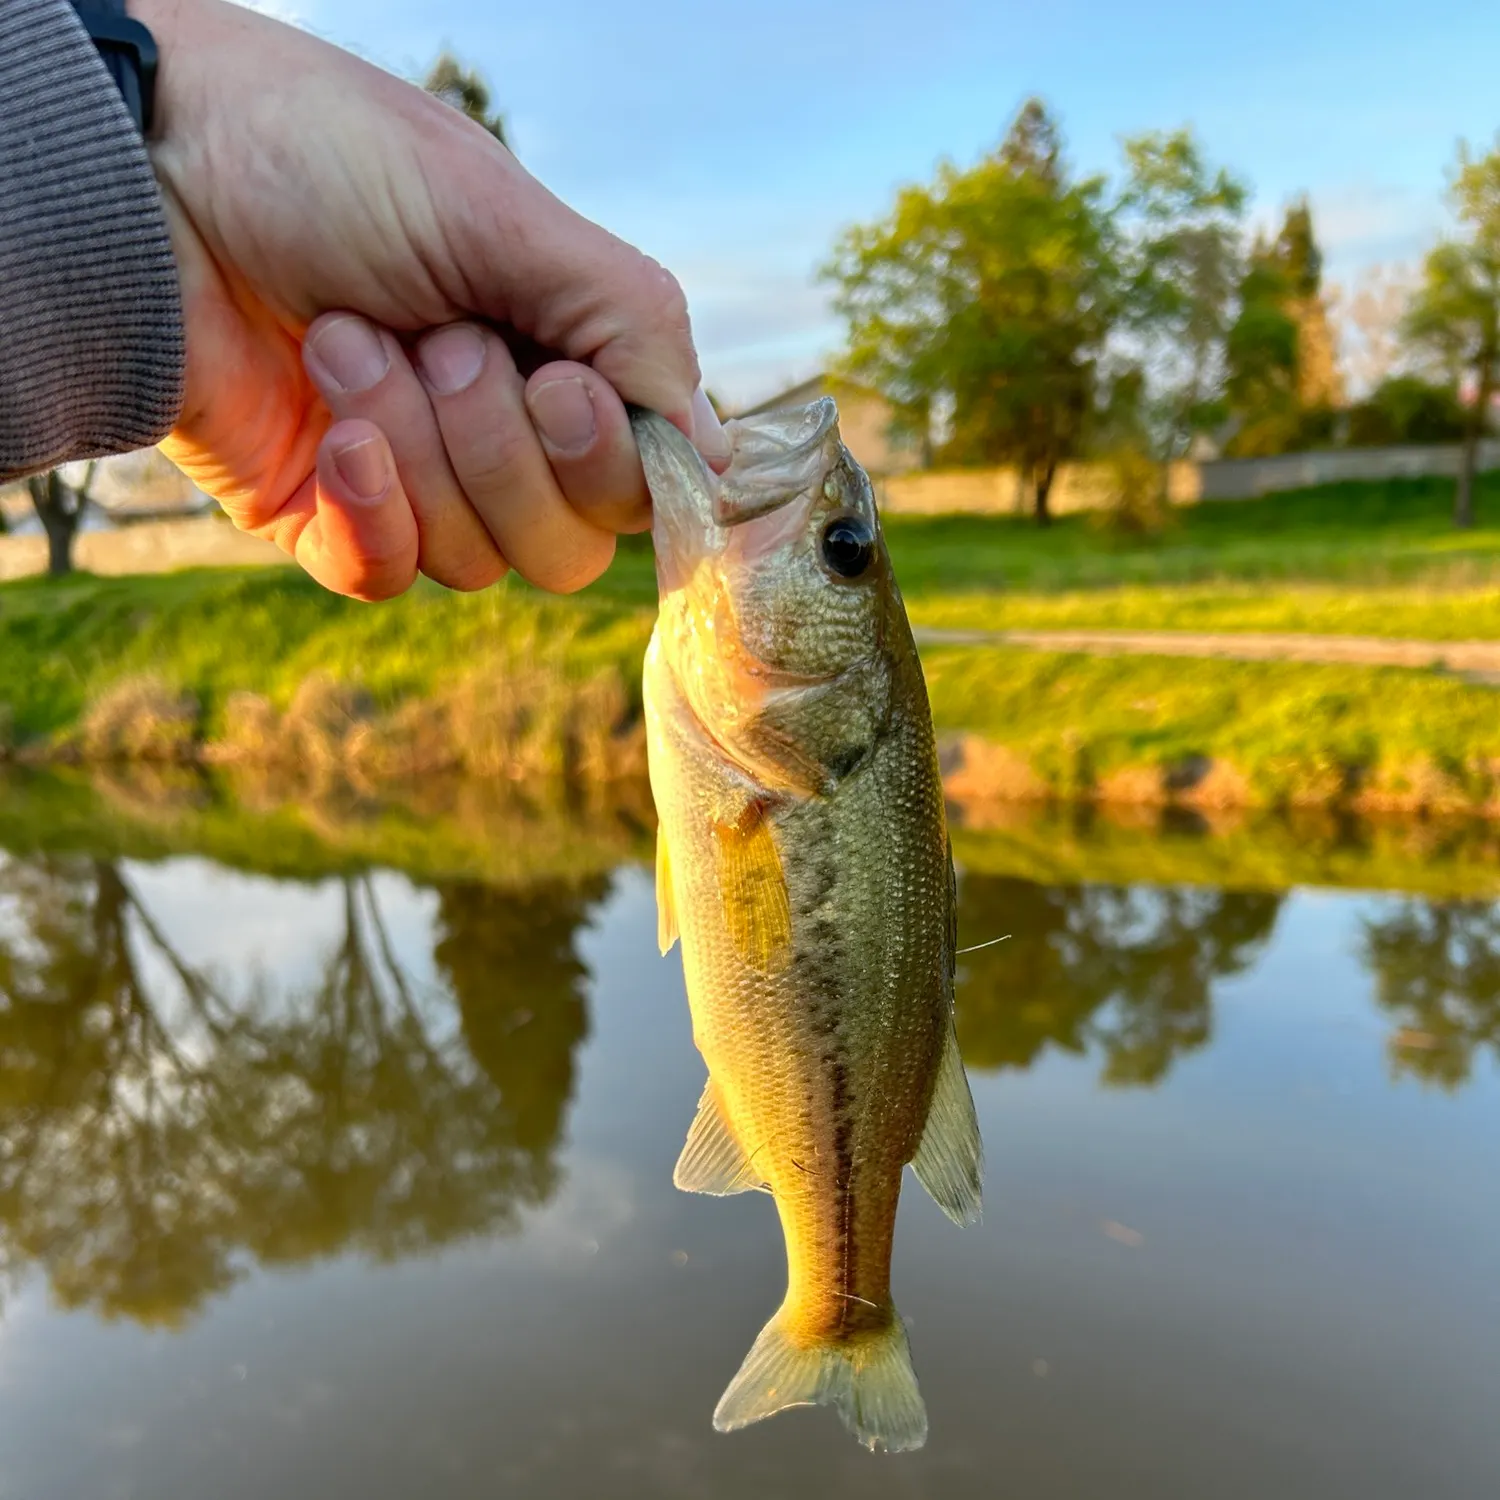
91	345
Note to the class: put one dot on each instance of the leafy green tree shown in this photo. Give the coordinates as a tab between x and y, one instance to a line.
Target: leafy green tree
1455	315
988	293
464	88
1407	409
1283	378
1180	222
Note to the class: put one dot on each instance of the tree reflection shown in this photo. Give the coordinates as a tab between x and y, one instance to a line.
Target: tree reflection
157	1132
1127	969
1437	970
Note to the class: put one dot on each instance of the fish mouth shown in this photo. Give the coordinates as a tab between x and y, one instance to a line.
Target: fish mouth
775	458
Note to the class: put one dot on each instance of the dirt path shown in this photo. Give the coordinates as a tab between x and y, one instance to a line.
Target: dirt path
1477	660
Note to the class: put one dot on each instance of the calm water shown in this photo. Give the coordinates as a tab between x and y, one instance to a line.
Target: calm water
355	1182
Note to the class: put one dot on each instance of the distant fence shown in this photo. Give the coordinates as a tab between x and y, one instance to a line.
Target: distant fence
150	547
211	542
995	492
1080	487
1246	478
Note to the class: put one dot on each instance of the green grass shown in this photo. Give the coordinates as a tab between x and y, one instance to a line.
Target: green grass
1419	611
266	630
1398	532
1347	559
1361	559
1293	730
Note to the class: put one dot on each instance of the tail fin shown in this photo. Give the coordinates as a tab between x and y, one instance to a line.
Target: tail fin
869	1380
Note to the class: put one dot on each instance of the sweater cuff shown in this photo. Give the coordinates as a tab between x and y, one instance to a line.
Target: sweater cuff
91	337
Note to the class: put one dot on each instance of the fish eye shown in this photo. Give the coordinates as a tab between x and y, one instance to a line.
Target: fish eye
848	546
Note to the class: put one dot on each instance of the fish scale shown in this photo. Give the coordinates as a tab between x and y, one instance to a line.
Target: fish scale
803	860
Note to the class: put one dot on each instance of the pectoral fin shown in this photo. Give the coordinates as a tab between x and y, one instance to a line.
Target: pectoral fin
713	1161
666	908
949	1161
752	887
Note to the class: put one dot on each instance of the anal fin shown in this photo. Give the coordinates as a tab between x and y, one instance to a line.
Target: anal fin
712	1161
949	1162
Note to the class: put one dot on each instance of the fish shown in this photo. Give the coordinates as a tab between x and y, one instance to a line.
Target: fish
803	860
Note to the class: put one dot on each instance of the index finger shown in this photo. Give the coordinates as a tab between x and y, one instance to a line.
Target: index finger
530	261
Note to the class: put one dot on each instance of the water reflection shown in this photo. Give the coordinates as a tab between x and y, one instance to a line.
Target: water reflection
160	1126
1127	971
329	1040
1437	971
168	1123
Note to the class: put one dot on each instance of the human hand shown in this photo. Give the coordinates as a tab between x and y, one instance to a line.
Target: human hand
347	247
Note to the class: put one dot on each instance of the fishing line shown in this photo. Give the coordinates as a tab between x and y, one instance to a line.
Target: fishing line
990	944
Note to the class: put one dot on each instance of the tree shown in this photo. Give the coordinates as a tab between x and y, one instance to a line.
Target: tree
1437	970
60	507
1455	315
1126	970
1283	375
159	1133
447	79
1180	221
1407	409
987	295
1372	314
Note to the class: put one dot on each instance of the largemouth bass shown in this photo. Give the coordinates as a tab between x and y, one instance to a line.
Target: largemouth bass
803	858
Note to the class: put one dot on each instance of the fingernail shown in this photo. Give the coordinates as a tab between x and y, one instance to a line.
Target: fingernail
563	414
363	467
352	353
708	431
450	361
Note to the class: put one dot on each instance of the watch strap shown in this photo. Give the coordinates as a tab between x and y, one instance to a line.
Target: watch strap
129	52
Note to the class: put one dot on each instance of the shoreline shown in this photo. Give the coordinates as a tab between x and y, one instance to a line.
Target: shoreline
515	833
588	735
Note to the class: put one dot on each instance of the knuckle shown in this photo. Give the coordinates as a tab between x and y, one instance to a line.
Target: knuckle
374	586
667	298
470	575
581	565
489	466
374	575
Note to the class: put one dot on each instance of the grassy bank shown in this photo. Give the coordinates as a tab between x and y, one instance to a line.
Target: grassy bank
1214	732
261	664
260	667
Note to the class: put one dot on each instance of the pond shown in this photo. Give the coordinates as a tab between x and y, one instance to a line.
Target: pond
336	1144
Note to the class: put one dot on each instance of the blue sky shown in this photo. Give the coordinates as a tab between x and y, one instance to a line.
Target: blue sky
733	142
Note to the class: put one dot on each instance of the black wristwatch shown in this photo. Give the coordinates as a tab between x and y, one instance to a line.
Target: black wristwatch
129	52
